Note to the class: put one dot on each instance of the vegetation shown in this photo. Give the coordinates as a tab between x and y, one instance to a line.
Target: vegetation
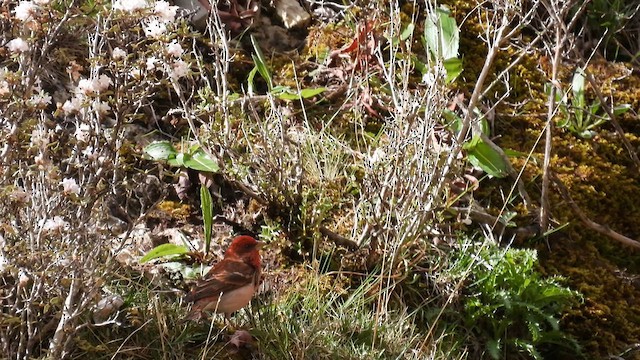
406	166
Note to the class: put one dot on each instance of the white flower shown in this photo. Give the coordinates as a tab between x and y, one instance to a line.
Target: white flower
39	138
82	132
40	99
89	153
95	85
102	83
136	73
19	195
130	5
69	185
175	49
42	2
72	106
55	224
151	63
155	28
165	11
25	11
102	107
17	45
85	86
4	88
377	156
118	53
179	69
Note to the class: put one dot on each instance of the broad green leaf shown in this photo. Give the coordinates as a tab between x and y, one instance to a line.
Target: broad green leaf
201	161
486	158
441	34
164	250
453	67
206	204
407	32
309	93
160	150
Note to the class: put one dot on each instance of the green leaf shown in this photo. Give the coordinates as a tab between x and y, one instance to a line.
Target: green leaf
441	34
287	94
621	109
260	63
160	150
206	204
407	32
453	67
164	250
577	86
250	80
483	156
494	348
201	161
309	93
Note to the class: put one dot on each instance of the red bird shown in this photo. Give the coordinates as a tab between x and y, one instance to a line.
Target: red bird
231	283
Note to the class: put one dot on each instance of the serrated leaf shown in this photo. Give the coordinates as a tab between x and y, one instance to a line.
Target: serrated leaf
164	250
160	150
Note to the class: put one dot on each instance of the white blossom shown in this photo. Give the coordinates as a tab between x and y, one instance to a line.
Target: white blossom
73	105
155	28
175	49
69	185
151	63
55	224
17	45
130	5
102	107
179	69
40	99
118	53
82	132
25	10
165	11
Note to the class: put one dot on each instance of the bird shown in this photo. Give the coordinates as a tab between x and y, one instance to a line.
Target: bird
231	283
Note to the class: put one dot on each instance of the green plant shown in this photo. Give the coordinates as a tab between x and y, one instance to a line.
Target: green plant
512	309
580	117
321	318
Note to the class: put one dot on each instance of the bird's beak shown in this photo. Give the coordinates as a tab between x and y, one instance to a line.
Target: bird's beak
259	244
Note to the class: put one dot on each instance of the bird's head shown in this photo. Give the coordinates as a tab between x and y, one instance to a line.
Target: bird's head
243	246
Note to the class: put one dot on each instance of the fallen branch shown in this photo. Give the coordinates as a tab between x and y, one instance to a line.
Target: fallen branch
602	229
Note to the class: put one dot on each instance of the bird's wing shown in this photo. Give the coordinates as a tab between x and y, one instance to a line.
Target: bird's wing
225	276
